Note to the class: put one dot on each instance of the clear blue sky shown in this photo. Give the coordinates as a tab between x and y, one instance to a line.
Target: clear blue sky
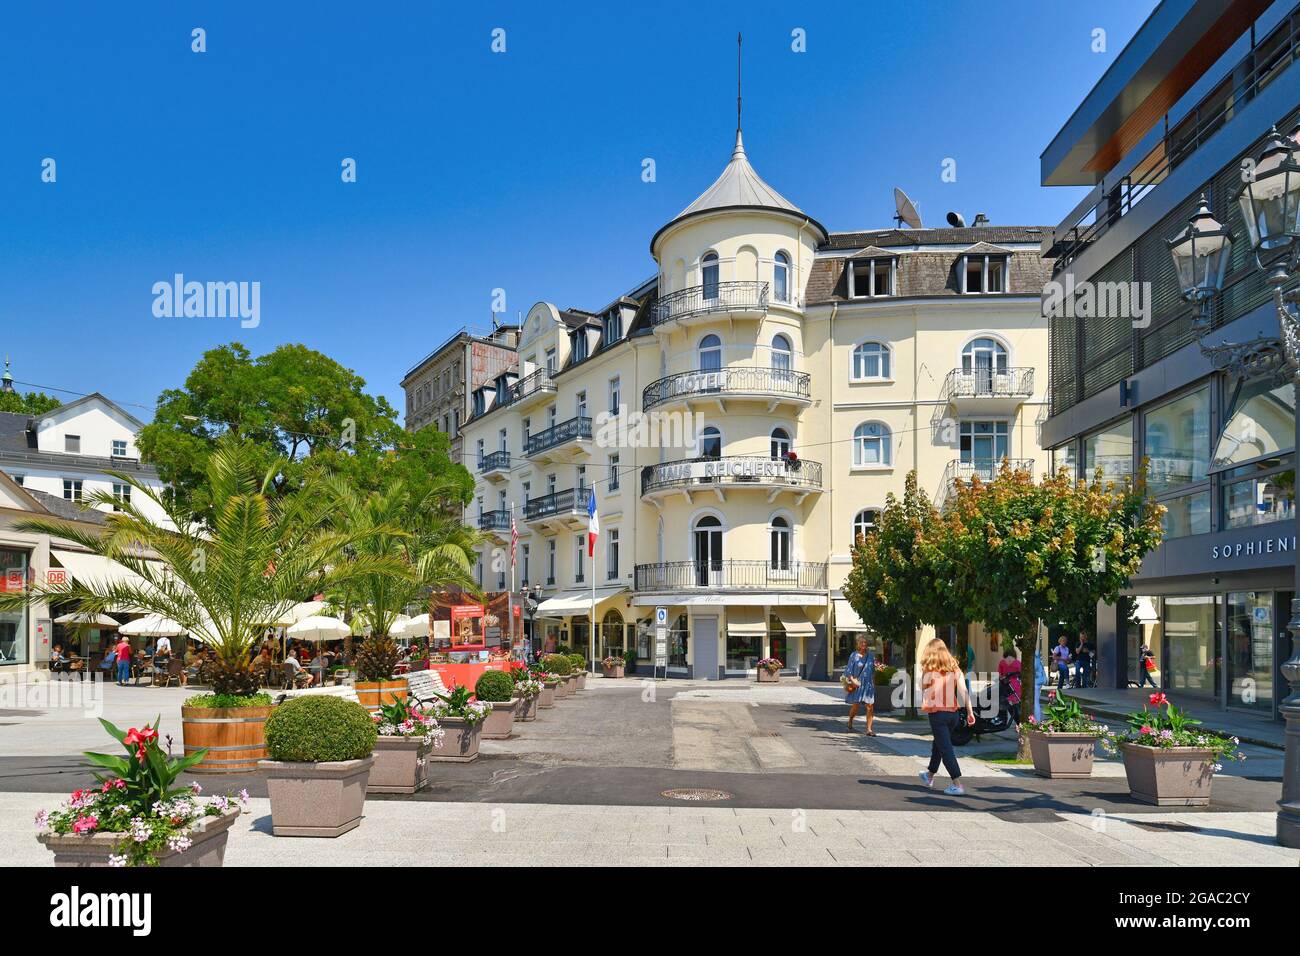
475	170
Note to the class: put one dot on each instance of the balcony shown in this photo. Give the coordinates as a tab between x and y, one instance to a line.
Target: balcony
559	509
987	390
495	523
772	386
562	442
733	300
495	466
531	388
731	576
985	469
720	475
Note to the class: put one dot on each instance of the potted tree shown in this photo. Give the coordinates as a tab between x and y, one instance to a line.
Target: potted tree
376	661
497	690
137	816
558	665
406	736
528	690
613	666
1063	743
769	670
1167	761
579	662
321	751
462	720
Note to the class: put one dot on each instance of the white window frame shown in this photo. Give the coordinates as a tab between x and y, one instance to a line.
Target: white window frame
613	471
884	358
615	394
871	292
119	443
611	556
882	437
781	276
966	260
860	525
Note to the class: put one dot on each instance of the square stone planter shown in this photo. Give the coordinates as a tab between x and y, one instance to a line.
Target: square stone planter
1062	756
547	697
500	722
401	765
884	699
582	680
768	677
207	845
316	799
527	709
1169	777
563	689
615	671
572	682
460	743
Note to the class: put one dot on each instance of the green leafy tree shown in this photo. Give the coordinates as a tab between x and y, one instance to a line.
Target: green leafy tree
28	403
294	406
893	585
1019	551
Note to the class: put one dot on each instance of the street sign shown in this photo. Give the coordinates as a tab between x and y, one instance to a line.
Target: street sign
661	648
661	616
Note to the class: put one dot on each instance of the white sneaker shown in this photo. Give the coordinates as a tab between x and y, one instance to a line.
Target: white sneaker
926	778
954	791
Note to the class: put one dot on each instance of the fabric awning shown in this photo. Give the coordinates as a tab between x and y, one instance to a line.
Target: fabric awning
89	569
795	622
569	603
746	622
846	619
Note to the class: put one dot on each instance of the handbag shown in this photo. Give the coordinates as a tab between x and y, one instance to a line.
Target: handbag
1151	663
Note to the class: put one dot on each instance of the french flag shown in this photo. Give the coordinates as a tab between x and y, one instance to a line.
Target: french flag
593	524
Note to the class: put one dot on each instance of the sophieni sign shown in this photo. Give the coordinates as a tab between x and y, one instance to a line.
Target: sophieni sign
1274	544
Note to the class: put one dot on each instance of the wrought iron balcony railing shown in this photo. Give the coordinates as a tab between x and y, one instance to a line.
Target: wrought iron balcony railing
730	471
494	461
570	501
494	521
989	383
774	382
723	574
985	469
574	428
534	383
737	296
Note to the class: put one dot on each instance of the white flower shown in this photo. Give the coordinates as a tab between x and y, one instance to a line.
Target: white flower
117	860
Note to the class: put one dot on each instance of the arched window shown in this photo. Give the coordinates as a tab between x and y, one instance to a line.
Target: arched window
781	277
864	522
710	353
982	359
706	541
611	635
780	442
779	536
871	445
710	442
782	354
709	275
870	361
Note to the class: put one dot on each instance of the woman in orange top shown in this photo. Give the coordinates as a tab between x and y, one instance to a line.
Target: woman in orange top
942	690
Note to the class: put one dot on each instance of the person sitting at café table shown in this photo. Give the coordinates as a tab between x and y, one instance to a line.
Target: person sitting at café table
59	663
300	676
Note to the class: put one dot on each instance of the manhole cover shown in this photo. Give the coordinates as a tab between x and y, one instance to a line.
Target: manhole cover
695	794
1166	827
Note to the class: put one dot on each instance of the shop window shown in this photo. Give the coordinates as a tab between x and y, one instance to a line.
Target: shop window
1177	441
1260	421
1259	493
1192	645
1110	450
13	624
1249	650
1187	515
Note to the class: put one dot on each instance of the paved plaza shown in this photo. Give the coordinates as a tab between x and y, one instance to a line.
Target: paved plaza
586	783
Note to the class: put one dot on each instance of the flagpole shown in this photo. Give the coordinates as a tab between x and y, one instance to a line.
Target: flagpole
591	651
510	595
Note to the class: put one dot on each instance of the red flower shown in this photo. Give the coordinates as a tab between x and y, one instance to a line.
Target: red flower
140	739
1146	729
1051	695
1159	699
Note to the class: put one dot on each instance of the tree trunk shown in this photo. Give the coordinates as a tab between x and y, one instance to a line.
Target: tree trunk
909	667
1028	688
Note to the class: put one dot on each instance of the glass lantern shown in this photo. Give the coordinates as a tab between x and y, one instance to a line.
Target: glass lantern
1200	253
1270	201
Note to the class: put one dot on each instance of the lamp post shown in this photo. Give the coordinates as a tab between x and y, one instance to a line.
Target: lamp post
1269	199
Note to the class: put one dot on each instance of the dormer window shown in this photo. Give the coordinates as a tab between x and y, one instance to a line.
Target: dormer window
612	326
984	273
478	403
871	278
580	345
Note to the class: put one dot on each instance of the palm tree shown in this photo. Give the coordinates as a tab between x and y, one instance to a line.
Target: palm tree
224	579
411	543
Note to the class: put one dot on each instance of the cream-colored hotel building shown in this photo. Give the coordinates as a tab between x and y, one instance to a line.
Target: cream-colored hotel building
801	374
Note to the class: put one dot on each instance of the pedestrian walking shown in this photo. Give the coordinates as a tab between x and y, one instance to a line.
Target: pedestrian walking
1146	664
943	693
860	684
123	652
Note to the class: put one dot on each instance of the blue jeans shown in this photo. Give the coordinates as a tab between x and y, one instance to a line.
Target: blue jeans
123	671
942	723
1063	674
1146	677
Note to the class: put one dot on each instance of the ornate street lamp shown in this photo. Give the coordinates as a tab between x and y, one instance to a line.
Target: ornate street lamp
1201	253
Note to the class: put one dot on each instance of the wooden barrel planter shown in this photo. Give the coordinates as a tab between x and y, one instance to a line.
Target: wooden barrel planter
373	694
234	737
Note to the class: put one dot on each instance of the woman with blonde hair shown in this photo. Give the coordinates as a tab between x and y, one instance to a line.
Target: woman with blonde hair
942	690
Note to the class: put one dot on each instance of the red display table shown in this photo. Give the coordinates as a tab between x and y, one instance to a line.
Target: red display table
467	675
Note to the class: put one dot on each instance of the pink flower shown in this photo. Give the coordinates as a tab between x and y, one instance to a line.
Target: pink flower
85	825
1159	699
1146	729
1051	695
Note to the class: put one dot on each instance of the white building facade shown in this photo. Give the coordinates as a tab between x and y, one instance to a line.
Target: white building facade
742	416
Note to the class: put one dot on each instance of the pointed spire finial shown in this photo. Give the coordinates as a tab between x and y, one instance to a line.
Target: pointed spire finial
738	45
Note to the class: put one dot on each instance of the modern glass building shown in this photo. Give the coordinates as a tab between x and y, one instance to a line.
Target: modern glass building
1136	368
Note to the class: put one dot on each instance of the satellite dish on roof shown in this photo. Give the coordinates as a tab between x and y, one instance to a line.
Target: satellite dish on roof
906	210
956	220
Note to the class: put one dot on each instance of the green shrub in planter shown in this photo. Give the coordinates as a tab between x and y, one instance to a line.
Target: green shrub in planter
319	729
629	659
884	675
563	649
497	686
579	662
558	664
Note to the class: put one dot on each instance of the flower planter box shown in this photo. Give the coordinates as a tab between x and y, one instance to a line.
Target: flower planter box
401	765
500	722
768	677
563	689
884	698
615	671
1062	756
316	799
374	694
460	743
582	681
207	845
1169	776
547	698
234	736
527	709
572	682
